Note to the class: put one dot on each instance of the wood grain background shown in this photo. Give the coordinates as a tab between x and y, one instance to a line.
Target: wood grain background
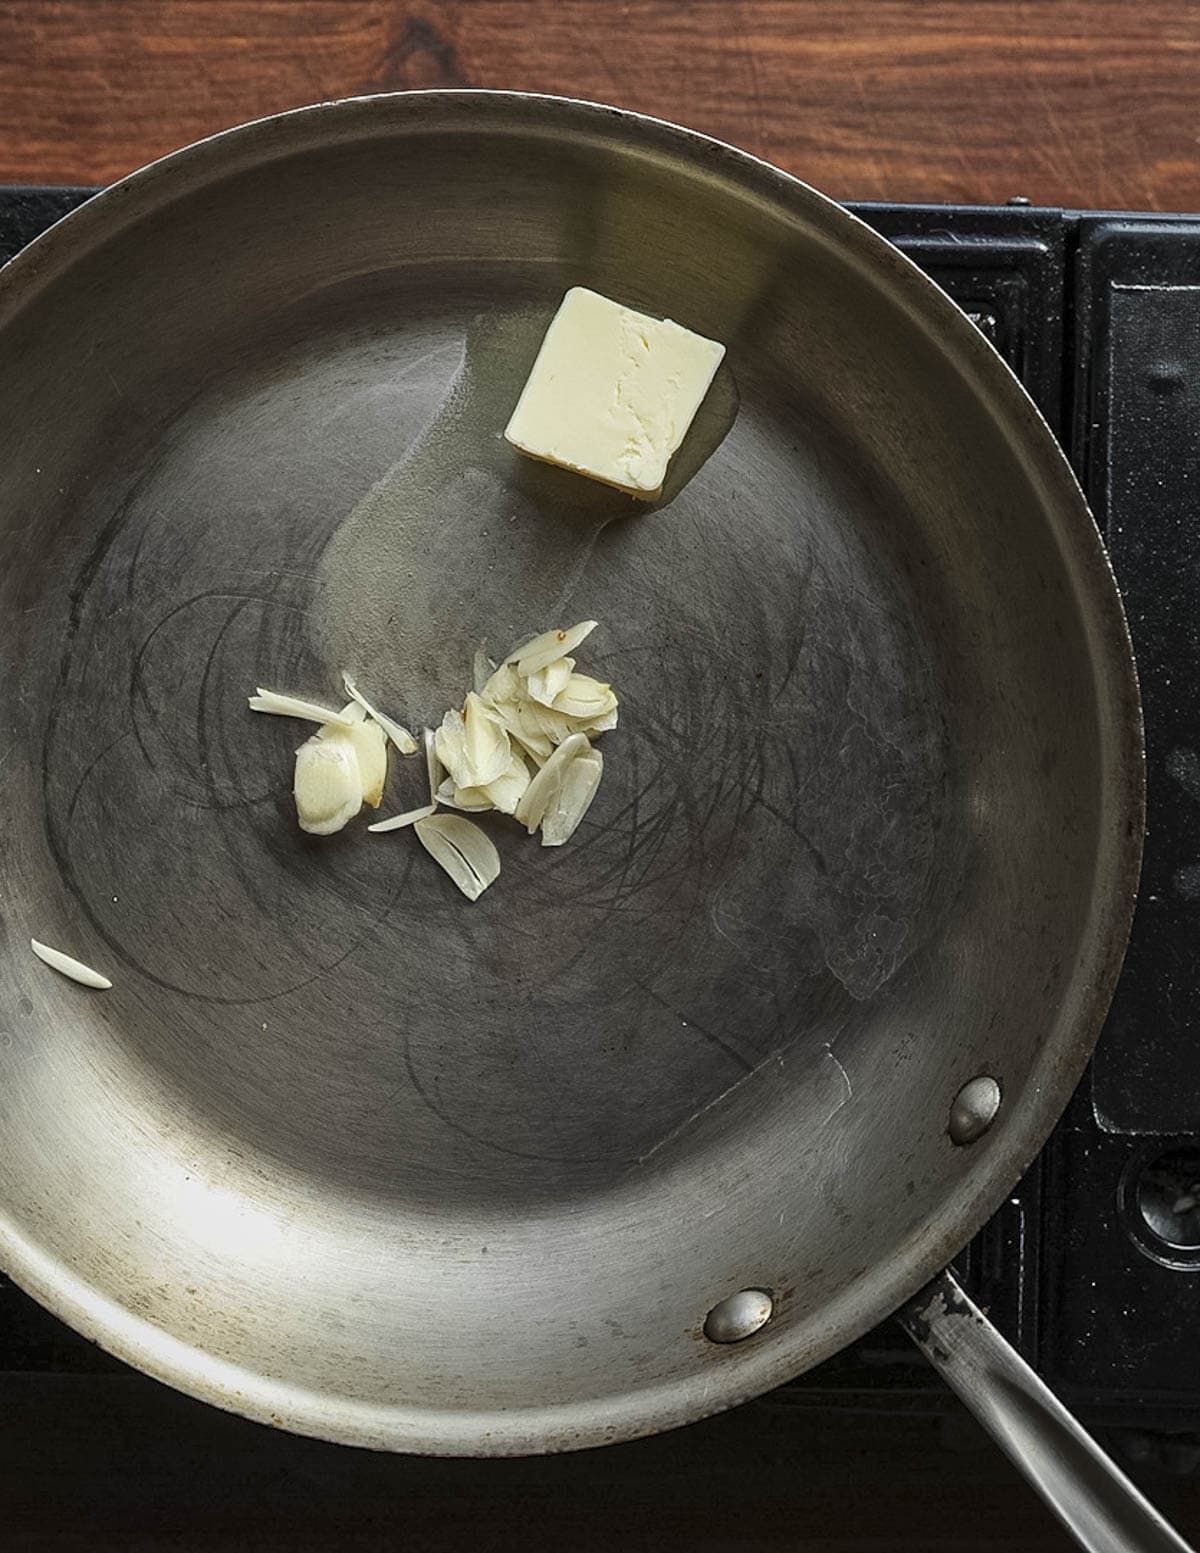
1077	102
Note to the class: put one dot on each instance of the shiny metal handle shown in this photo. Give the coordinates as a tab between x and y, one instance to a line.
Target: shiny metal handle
1092	1497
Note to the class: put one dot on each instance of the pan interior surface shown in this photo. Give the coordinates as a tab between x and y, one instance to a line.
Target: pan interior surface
339	1149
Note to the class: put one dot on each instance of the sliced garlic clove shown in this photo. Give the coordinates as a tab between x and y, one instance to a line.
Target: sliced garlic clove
485	745
400	821
294	706
573	799
548	682
328	785
543	789
396	732
544	649
66	966
585	697
532	710
371	748
463	850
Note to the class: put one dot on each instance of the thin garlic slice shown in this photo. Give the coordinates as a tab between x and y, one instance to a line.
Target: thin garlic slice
543	790
371	748
597	724
504	685
518	720
503	794
396	732
585	697
463	850
482	669
552	725
578	787
485	744
293	706
473	800
450	746
409	817
328	784
75	969
506	792
536	746
548	682
433	765
544	649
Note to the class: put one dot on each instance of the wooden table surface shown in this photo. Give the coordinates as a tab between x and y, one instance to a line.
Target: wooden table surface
1074	102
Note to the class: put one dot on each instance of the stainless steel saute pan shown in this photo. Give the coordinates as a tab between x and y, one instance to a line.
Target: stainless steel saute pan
677	1110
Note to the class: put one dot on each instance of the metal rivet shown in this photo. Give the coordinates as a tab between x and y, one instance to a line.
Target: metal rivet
738	1316
974	1109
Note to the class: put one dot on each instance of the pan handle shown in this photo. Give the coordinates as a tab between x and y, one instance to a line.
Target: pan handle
1092	1497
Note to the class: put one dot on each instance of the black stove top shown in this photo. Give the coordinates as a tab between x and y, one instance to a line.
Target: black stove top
1089	1266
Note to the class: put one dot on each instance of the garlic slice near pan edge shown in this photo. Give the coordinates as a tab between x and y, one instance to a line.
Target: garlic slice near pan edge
68	966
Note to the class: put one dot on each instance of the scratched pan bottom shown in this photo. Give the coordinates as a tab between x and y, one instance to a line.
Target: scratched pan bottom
340	1149
343	500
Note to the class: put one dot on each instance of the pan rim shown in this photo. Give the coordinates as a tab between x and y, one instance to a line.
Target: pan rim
738	1373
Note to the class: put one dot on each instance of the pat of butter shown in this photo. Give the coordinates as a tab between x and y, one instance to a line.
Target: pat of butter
612	392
